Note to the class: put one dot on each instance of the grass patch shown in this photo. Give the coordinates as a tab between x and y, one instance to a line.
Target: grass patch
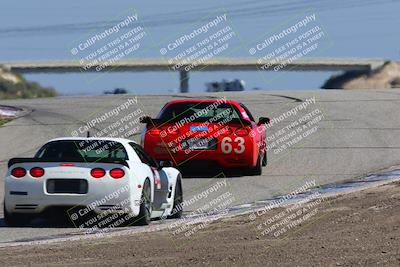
3	121
13	86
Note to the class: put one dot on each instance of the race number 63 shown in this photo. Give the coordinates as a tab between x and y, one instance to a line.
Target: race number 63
226	145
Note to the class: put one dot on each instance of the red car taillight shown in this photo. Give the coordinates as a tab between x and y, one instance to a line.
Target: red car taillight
18	172
37	172
155	131
97	173
117	173
242	132
173	131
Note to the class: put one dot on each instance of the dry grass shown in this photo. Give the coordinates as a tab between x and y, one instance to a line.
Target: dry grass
385	77
3	121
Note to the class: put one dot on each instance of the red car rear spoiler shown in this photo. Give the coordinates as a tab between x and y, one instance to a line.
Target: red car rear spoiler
150	121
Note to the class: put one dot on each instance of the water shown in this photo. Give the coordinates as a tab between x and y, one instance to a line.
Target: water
46	30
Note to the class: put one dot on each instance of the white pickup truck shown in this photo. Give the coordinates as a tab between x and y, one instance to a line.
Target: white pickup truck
91	175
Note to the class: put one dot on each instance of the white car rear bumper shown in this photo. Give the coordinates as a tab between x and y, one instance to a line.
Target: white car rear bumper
35	196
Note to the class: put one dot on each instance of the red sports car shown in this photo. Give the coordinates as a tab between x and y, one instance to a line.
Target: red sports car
202	132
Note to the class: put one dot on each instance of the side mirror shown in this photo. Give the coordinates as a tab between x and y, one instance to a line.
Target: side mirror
264	120
145	119
165	164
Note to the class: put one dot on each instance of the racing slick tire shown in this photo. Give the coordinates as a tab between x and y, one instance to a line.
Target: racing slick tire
257	170
265	160
16	219
144	216
178	200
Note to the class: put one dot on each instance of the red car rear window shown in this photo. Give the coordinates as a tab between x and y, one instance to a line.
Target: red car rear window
199	111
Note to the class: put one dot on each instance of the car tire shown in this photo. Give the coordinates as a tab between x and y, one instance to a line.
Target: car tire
16	219
144	216
257	170
178	200
265	160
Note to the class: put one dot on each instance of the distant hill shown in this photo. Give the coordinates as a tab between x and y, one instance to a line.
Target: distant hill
384	77
15	86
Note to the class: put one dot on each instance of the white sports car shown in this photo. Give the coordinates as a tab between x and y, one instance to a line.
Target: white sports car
97	176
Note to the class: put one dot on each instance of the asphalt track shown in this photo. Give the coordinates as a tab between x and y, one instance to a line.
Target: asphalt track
359	134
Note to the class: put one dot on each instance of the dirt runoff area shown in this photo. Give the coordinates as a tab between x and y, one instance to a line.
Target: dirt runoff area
357	229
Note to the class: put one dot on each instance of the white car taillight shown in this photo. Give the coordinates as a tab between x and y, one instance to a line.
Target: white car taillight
97	173
117	173
36	172
18	172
